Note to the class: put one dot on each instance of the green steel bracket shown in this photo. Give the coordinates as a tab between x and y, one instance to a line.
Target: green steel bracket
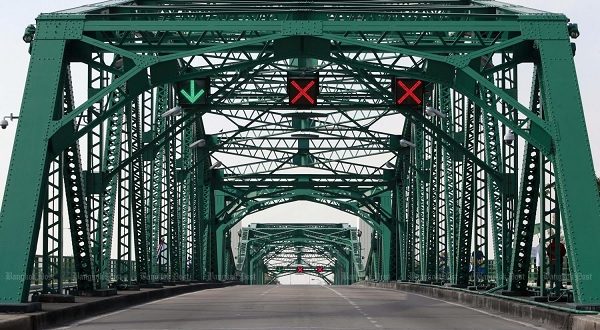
68	27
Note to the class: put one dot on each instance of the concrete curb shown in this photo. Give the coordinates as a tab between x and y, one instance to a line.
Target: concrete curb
554	319
80	310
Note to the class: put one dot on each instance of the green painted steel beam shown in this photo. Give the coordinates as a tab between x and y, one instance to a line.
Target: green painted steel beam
424	192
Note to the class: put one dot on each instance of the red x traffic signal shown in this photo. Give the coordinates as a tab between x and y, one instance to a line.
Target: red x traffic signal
303	91
299	269
319	269
408	92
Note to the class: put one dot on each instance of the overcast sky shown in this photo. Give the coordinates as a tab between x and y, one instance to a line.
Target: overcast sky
14	60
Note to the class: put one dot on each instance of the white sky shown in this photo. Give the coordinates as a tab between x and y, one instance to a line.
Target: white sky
14	61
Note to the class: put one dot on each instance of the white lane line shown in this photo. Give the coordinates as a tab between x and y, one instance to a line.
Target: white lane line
269	290
373	322
529	325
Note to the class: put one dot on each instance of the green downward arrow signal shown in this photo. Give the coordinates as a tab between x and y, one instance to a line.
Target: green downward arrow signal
192	96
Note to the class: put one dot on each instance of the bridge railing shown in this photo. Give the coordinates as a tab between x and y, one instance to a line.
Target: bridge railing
67	275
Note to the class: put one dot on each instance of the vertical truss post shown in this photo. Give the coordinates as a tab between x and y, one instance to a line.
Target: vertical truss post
217	237
465	226
458	110
421	152
575	179
440	253
400	224
204	223
97	80
450	201
388	240
23	199
412	248
174	225
508	82
52	275
155	216
221	247
527	206
479	255
184	207
373	260
110	160
124	206
77	208
431	223
200	204
138	192
550	223
494	201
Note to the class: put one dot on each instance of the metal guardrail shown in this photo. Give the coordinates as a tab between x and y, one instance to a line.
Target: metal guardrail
68	273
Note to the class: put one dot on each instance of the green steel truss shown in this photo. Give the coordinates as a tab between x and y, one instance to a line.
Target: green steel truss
269	251
135	190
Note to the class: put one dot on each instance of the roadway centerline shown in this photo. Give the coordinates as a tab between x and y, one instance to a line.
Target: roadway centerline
357	307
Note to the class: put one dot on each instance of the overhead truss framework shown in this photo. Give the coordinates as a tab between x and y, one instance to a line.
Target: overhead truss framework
269	251
442	188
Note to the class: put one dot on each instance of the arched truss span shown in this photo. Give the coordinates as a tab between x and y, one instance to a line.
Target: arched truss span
122	164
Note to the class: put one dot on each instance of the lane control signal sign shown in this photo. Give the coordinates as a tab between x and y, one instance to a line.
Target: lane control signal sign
319	269
193	92
303	91
299	269
408	92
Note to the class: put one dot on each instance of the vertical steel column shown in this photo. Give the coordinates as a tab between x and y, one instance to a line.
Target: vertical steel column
97	80
510	156
450	201
23	203
52	279
110	160
575	179
124	258
137	182
480	230
174	225
550	227
459	110
431	221
412	248
185	187
467	199
158	252
527	206
77	208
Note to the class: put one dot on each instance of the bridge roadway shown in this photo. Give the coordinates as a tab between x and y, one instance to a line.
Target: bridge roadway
299	307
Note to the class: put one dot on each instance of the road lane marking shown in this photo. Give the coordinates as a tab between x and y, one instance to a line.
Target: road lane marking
352	303
269	290
529	325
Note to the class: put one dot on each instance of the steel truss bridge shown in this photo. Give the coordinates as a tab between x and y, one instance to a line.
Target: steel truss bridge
472	167
269	251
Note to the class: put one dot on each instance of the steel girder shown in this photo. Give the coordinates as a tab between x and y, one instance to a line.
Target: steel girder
279	248
247	50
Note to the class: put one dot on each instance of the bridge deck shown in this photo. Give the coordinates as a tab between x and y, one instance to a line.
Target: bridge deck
300	307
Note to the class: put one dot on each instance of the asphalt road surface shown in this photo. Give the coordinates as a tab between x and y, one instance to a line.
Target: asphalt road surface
300	307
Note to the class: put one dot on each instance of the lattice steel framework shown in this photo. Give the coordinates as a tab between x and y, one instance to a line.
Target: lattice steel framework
452	191
270	251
